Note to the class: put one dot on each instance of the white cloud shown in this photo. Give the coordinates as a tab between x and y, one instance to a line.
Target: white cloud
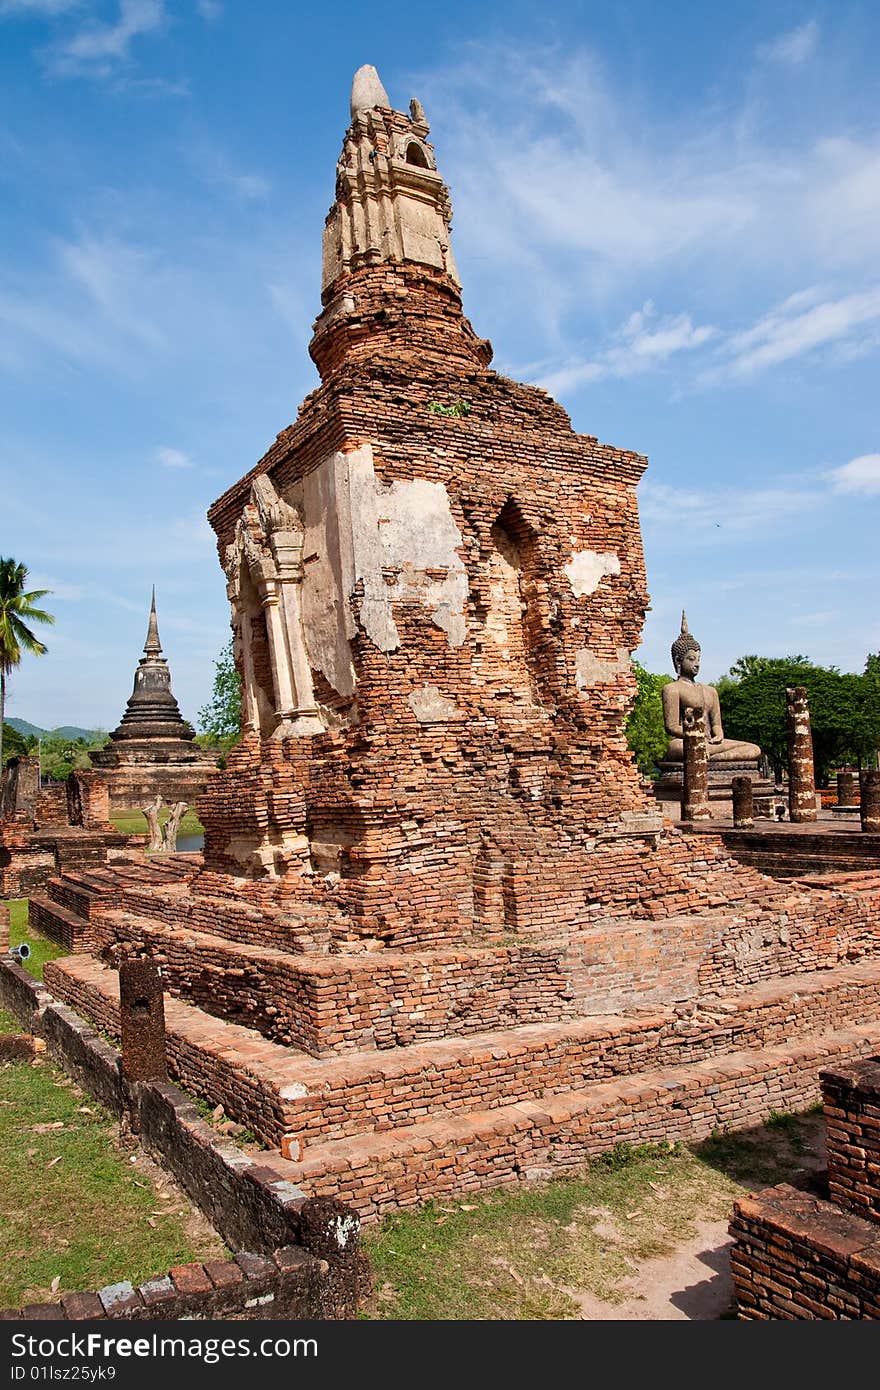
642	343
803	322
114	273
820	619
97	50
173	458
860	476
726	513
193	531
793	47
584	192
215	167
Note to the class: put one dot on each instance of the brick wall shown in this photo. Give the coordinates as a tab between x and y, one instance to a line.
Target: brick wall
851	1097
361	1093
291	1284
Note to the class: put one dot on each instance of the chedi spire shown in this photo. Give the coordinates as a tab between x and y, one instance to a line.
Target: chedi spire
388	272
367	90
152	646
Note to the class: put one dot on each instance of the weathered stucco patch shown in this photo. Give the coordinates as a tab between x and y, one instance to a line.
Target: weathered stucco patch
587	568
399	542
430	707
328	625
592	670
418	535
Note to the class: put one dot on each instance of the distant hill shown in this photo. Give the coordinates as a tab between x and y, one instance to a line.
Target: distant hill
66	731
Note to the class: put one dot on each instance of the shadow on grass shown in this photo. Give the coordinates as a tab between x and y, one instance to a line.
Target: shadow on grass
785	1148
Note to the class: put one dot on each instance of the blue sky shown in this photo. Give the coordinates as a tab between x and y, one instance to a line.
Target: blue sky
665	214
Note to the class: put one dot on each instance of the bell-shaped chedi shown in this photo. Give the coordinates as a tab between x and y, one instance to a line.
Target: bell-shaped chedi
152	750
436	586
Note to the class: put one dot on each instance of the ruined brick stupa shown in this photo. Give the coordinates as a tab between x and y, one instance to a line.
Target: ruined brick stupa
440	936
152	751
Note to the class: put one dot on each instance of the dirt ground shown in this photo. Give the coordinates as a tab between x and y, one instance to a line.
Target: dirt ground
693	1283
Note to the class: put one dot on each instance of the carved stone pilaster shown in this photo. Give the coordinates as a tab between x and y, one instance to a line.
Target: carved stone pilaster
268	549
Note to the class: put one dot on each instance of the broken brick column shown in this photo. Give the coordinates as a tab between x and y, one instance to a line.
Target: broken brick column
801	777
142	1016
743	803
695	774
846	788
88	799
869	798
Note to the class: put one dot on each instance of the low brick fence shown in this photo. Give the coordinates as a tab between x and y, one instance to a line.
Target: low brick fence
21	995
797	1256
291	1284
299	1256
851	1096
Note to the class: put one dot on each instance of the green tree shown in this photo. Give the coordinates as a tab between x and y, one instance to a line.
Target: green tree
15	744
60	756
220	719
645	731
844	709
16	611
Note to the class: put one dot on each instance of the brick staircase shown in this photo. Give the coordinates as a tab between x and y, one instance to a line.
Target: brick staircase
66	911
381	1128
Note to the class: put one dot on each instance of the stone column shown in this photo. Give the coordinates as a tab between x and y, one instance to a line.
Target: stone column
695	772
291	602
801	777
869	798
142	1015
846	786
293	719
743	803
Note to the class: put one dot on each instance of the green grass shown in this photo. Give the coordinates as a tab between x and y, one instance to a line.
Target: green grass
529	1253
42	949
72	1205
131	821
9	1024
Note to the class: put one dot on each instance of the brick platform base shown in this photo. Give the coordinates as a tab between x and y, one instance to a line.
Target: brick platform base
385	1129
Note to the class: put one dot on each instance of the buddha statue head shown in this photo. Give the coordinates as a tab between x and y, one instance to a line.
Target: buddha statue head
685	651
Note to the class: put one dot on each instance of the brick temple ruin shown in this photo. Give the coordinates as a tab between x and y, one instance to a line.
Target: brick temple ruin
46	830
440	937
151	752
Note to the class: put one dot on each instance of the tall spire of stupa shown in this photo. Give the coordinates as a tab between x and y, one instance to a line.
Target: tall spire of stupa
389	281
152	646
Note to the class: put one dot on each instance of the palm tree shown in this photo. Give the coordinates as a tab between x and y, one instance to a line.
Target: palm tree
16	606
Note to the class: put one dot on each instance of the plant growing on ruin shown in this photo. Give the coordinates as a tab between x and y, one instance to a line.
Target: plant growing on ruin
17	609
220	718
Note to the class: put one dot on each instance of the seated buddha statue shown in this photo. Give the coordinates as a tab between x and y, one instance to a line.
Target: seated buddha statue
686	692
